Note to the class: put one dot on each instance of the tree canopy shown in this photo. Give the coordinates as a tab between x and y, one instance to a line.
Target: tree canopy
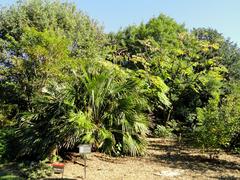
63	81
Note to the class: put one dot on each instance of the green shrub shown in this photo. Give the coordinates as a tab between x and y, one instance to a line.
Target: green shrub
2	143
5	134
218	124
35	170
10	177
166	131
162	131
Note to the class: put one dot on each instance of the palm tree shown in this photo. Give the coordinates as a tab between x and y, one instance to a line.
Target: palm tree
115	105
97	106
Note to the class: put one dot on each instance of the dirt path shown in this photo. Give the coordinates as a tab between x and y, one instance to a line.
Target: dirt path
164	160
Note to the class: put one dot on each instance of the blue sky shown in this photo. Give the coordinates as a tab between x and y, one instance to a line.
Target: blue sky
223	15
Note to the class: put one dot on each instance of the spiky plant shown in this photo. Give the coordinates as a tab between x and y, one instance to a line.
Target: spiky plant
116	107
96	106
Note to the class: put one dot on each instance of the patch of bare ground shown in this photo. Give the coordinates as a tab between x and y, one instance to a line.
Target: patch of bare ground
165	159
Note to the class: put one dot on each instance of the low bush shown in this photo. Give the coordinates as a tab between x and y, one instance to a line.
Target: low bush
2	143
5	134
162	131
166	131
35	170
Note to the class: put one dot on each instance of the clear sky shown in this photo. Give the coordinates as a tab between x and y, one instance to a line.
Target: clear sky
223	15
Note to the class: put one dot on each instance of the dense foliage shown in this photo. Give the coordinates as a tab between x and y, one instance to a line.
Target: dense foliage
64	82
199	68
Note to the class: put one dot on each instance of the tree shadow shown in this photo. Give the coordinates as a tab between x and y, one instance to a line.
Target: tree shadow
111	159
199	163
225	178
176	158
11	171
60	179
163	147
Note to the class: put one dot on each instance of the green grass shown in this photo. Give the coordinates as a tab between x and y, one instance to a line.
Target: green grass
9	177
7	172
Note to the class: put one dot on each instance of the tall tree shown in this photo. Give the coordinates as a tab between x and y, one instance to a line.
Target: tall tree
28	57
64	92
164	50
